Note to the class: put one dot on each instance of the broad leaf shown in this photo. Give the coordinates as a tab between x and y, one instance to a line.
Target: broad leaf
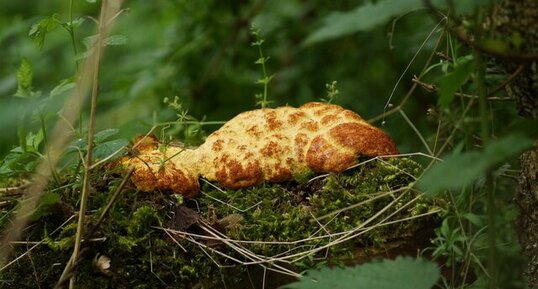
363	17
450	83
402	273
105	134
106	149
39	30
18	161
64	86
463	169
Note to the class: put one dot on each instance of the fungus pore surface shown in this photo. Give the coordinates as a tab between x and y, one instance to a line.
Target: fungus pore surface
261	145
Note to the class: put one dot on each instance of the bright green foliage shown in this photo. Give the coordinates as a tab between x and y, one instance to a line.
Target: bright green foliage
363	17
200	51
463	169
24	81
402	273
42	28
22	159
105	144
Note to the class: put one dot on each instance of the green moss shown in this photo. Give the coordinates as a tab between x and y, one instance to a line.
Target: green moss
145	257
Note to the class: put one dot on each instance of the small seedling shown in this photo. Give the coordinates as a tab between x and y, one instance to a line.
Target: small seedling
261	98
332	91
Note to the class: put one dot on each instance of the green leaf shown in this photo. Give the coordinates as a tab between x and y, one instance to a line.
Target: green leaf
118	39
402	273
39	30
64	86
45	203
105	149
18	161
33	140
474	219
450	83
105	134
463	169
24	81
363	17
73	24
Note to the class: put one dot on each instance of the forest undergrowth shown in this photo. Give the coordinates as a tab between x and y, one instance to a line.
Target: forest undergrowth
441	216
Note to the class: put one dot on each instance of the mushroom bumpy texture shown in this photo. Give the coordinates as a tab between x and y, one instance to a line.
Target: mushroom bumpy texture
261	145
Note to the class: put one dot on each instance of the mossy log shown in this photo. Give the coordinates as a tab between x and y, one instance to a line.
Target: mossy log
231	237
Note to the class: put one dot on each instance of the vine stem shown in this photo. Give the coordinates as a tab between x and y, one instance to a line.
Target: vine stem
72	33
264	71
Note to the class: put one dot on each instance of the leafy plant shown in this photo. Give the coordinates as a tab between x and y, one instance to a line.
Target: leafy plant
261	97
199	49
363	17
462	169
332	92
401	273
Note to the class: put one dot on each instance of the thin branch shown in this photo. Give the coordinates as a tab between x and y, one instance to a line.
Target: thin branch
490	95
414	86
432	88
432	32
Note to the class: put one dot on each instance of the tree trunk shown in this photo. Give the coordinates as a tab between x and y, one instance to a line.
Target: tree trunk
516	19
527	224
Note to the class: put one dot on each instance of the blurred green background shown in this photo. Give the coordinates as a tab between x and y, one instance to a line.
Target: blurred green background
201	52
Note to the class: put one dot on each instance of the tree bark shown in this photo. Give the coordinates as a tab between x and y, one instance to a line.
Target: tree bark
527	223
514	22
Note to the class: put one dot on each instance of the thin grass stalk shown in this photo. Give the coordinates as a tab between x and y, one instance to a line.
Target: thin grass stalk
103	26
489	185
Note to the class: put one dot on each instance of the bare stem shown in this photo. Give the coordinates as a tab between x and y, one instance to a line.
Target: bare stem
489	186
72	33
91	123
